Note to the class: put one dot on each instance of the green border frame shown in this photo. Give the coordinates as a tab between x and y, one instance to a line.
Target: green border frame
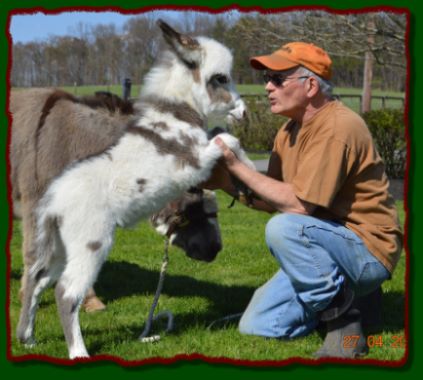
195	368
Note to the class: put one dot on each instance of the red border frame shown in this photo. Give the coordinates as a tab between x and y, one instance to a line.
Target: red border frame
193	357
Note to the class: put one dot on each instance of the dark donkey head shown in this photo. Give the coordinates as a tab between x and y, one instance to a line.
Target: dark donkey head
190	223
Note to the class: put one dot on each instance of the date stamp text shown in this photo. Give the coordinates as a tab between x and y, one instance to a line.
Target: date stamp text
375	341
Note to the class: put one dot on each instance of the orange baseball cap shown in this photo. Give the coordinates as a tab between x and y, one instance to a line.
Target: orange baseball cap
295	54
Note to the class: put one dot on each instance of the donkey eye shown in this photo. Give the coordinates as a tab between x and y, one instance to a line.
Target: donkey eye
220	79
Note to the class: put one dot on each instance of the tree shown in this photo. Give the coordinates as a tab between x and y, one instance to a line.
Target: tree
374	38
366	104
346	37
105	54
141	45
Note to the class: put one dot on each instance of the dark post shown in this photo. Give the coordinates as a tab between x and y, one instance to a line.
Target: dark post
126	91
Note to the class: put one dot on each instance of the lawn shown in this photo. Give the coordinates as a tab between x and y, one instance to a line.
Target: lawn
197	294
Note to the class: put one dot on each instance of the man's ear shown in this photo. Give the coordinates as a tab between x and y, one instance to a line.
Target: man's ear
313	86
186	47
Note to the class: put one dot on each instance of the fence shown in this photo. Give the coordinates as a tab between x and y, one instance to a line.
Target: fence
394	100
354	100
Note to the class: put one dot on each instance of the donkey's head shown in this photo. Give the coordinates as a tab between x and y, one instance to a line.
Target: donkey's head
198	72
191	224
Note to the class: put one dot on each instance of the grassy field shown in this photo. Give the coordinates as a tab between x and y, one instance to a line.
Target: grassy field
197	294
353	103
259	156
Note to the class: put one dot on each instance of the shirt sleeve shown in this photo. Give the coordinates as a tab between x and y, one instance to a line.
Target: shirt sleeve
321	172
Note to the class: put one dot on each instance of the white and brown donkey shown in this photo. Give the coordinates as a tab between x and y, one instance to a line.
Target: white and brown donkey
163	152
69	129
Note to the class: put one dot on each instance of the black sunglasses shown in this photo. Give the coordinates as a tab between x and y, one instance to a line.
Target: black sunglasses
279	79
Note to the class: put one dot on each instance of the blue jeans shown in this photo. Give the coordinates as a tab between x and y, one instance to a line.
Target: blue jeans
315	257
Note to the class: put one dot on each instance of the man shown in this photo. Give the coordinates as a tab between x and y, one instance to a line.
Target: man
337	234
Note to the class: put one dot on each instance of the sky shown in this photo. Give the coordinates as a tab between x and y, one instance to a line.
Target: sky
39	26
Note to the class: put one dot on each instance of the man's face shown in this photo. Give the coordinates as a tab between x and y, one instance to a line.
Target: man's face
287	91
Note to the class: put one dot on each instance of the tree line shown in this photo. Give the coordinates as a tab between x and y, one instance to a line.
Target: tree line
106	54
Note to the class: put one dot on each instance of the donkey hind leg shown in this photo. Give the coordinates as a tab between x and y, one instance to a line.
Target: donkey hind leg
34	286
28	244
77	278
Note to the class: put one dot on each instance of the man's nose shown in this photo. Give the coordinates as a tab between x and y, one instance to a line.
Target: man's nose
269	86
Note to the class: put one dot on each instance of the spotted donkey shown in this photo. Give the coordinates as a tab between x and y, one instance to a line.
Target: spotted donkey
163	152
71	129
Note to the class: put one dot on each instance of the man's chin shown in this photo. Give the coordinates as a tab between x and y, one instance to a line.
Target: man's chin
275	109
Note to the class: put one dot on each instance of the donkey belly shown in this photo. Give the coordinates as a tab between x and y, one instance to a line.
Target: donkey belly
79	198
143	197
146	181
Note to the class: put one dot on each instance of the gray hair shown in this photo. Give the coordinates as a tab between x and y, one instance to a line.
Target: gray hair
326	86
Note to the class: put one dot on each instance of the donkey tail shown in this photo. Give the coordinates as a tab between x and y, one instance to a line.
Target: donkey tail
45	243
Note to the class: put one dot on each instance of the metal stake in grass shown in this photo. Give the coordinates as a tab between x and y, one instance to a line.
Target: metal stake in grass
144	335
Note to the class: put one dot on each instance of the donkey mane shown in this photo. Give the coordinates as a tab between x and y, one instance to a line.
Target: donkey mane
112	102
100	99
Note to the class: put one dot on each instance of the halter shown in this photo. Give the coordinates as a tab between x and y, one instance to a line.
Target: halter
181	220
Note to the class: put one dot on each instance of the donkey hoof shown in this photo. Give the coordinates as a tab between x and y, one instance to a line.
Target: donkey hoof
93	304
24	337
29	343
79	355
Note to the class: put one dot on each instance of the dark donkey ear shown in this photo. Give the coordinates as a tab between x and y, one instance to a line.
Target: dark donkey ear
186	47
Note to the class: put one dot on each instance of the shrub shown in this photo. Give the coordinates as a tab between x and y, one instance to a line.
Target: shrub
259	129
387	128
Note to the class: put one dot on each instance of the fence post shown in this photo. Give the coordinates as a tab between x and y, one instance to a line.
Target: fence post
126	90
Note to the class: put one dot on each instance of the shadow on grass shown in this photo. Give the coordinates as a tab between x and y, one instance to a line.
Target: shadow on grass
224	300
393	311
15	275
135	280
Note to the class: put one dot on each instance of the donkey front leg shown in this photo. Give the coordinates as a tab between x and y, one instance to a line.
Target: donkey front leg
233	144
68	307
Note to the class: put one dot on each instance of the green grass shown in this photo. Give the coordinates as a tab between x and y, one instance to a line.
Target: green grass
258	156
197	294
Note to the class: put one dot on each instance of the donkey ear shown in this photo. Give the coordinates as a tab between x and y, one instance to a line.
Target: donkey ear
186	47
